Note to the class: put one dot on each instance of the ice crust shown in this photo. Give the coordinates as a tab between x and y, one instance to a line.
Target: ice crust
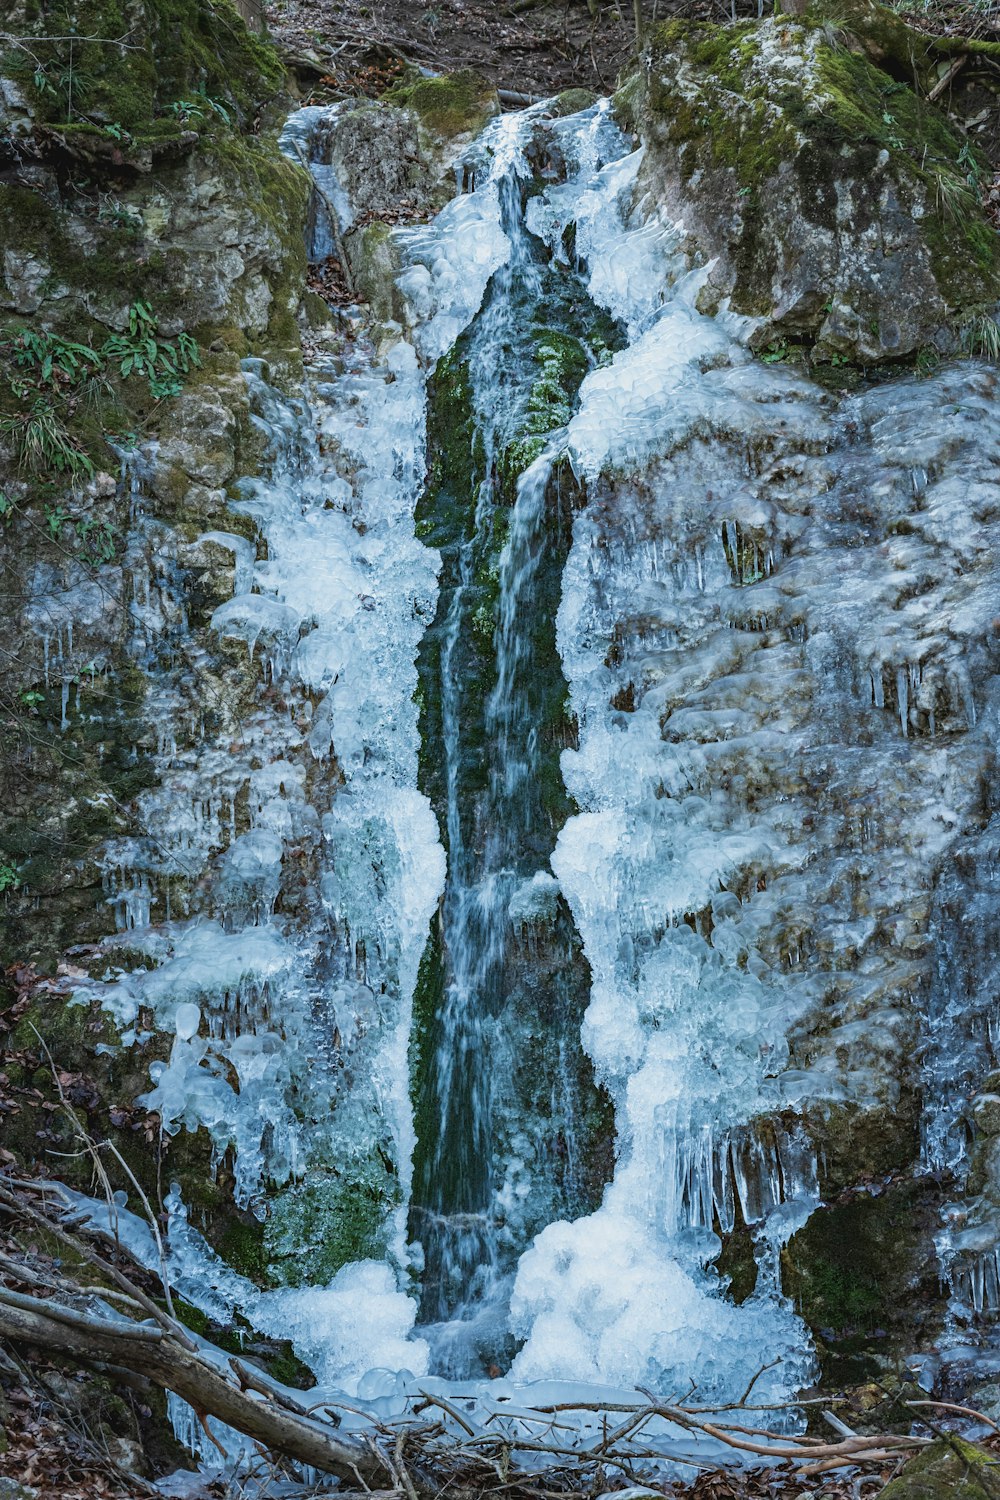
743	579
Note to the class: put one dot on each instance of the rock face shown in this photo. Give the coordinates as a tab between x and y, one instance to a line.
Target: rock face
778	630
108	552
804	161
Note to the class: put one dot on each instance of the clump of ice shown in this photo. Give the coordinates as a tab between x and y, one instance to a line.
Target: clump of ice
603	1299
534	900
449	265
360	1321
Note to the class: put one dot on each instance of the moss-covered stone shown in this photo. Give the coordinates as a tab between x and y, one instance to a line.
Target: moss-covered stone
949	1469
572	101
863	1275
806	161
451	104
561	363
184	62
316	1227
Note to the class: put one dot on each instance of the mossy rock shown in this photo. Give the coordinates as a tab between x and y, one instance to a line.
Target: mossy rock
561	362
949	1469
572	101
316	1227
187	62
450	105
806	161
863	1275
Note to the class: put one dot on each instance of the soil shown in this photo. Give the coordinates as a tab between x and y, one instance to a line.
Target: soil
531	49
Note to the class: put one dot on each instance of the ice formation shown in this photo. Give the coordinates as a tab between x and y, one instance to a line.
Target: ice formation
755	565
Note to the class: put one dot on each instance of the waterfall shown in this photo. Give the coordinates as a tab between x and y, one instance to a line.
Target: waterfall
486	1179
527	930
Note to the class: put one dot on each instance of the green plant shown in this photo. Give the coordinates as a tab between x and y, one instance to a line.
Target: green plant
113	211
44	442
117	132
141	351
775	353
196	108
32	699
892	139
981	337
953	197
186	109
55	520
97	393
50	355
98	542
162	388
217	108
927	360
968	163
64	82
7	505
9	880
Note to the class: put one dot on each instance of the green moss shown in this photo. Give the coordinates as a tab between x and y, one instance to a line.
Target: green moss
374	261
428	997
453	104
286	1367
572	101
277	193
316	1227
561	363
626	102
949	1469
70	782
241	1245
177	50
740	114
861	1272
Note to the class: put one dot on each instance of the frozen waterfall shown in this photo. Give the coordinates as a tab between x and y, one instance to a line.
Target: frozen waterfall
499	932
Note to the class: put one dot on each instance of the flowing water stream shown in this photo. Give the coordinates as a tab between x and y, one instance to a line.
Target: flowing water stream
569	773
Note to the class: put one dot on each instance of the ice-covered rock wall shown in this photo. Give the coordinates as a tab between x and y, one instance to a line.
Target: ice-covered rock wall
778	630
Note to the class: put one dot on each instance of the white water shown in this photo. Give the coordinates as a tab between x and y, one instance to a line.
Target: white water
712	586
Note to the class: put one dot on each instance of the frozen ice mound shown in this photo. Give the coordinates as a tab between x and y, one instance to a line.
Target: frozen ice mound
449	263
649	399
251	617
534	900
360	1322
603	1300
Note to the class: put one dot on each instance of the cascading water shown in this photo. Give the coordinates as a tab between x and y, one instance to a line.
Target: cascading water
495	1166
675	605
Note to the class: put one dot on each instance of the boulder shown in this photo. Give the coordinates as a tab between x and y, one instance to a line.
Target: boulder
810	171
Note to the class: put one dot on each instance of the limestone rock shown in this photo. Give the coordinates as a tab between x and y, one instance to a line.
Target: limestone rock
828	197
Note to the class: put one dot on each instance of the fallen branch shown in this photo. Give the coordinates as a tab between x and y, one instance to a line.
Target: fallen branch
189	1375
952	73
516	1449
